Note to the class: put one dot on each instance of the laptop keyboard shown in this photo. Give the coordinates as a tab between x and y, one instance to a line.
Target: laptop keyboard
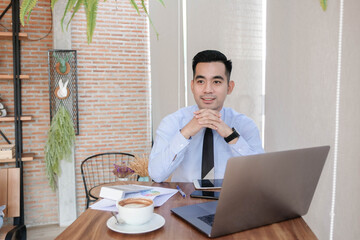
208	219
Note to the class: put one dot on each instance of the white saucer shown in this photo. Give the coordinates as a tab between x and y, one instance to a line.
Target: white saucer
155	223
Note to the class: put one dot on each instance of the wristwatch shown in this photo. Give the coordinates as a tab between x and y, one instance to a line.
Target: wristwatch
232	136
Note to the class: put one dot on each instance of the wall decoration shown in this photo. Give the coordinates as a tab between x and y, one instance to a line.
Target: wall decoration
3	112
62	66
63	88
62	91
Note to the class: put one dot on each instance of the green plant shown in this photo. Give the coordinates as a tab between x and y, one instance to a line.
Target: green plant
61	139
323	4
74	6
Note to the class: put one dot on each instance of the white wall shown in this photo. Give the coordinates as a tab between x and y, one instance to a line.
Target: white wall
347	209
211	24
167	89
301	77
234	28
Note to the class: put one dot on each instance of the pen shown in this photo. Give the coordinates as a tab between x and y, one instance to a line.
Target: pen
181	191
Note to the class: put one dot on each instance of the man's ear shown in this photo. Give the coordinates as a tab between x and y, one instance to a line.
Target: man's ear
231	86
192	85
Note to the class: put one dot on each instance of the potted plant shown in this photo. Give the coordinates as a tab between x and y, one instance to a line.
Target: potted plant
122	172
140	166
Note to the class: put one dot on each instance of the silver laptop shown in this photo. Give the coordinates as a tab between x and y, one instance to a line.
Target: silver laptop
259	190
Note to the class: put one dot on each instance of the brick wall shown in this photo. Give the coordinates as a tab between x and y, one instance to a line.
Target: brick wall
113	77
114	106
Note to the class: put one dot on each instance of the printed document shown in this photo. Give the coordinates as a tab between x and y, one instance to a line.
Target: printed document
158	194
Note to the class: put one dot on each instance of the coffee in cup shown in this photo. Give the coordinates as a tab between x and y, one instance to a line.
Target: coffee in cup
135	211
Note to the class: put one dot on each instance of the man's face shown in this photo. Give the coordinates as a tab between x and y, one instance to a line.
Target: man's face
210	85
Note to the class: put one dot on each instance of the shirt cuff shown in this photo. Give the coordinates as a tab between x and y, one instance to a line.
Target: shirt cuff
178	143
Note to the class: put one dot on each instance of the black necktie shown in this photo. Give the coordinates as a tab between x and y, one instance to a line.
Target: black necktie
208	153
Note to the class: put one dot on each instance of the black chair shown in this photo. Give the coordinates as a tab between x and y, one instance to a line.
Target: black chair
98	169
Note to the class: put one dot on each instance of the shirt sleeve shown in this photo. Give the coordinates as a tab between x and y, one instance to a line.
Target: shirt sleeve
249	142
168	150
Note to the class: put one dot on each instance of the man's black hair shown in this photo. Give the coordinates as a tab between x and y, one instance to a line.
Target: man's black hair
212	56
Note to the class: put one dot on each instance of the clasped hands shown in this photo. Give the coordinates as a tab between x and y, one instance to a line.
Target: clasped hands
206	118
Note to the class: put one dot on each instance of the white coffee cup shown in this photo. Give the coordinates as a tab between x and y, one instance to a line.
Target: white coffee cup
135	211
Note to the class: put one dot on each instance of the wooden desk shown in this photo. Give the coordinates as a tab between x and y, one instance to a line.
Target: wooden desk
92	224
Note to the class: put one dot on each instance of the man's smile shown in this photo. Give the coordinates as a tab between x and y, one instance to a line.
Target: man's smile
208	99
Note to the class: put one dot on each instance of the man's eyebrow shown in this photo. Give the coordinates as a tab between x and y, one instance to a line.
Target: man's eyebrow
214	77
218	77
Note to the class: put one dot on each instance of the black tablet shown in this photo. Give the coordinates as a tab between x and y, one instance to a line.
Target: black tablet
205	194
208	183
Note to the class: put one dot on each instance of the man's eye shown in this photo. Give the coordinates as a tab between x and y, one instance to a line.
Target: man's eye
217	82
200	81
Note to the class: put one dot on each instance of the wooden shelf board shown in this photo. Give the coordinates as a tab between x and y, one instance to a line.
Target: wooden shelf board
10	77
25	158
12	118
8	36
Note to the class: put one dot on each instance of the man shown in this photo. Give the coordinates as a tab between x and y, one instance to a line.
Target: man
178	147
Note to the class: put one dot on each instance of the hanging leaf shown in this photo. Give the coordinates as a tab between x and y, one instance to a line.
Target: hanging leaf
59	145
162	2
147	14
133	3
53	3
25	9
68	8
323	4
91	11
91	7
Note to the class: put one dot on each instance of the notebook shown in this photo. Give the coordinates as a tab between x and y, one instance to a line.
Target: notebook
259	190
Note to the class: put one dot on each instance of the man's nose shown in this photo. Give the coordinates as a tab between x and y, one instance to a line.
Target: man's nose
208	88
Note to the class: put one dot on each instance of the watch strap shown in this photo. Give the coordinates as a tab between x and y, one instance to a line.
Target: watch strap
232	136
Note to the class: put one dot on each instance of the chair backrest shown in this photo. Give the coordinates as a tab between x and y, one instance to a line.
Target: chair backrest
98	169
10	191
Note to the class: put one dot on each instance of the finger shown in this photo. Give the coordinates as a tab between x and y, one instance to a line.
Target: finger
205	121
210	112
212	126
208	121
207	111
208	117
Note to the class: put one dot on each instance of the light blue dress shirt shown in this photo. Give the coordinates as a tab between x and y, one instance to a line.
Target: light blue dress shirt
173	154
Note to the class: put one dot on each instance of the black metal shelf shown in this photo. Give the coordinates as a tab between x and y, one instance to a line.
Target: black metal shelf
16	36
